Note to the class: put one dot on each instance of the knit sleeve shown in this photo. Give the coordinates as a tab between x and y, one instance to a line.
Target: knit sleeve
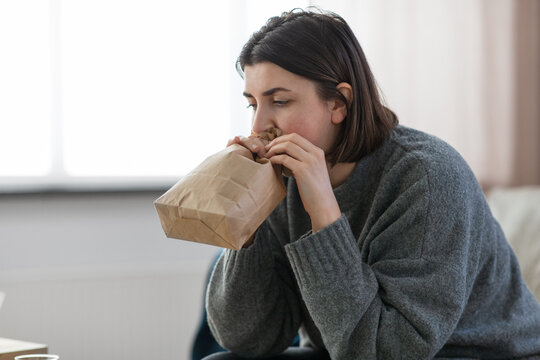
252	302
397	291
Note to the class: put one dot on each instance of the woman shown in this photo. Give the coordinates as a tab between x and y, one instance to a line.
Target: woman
384	247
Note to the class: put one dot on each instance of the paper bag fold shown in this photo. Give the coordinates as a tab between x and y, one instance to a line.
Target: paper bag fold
222	201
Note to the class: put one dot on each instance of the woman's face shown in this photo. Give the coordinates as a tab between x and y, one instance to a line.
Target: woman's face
289	102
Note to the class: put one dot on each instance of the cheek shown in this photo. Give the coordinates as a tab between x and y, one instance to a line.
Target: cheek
302	126
296	125
307	124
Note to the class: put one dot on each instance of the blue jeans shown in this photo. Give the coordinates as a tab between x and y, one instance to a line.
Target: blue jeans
292	353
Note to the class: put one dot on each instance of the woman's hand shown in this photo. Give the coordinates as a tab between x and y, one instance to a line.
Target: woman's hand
252	143
310	170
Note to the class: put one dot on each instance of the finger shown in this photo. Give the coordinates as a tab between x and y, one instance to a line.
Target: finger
234	140
302	142
253	144
288	148
286	161
256	145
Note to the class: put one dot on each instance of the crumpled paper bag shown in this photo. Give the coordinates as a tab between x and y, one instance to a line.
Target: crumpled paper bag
225	199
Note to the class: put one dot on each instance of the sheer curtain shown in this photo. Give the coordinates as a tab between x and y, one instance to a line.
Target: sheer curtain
464	70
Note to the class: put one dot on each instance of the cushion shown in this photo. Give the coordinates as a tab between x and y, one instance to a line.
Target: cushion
518	213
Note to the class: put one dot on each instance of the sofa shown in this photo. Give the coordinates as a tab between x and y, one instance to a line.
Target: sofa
518	212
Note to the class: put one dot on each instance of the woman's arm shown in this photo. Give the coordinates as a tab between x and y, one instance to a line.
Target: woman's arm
400	288
388	310
252	302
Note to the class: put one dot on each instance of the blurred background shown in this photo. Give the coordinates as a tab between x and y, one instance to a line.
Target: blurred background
105	104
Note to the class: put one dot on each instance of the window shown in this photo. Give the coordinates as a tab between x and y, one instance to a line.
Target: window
119	93
25	89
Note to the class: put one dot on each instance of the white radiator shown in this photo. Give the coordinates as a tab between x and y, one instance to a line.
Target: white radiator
111	316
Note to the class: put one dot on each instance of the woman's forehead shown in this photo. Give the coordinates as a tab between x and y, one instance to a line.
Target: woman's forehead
262	77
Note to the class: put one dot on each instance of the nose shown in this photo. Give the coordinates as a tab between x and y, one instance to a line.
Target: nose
262	120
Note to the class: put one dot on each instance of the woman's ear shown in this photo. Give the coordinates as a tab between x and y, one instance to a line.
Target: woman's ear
339	109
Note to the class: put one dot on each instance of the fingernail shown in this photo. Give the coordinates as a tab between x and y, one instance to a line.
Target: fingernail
253	146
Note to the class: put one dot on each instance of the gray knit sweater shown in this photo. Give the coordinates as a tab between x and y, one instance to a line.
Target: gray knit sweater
416	268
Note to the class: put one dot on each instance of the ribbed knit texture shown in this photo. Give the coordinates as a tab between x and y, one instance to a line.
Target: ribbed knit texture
415	268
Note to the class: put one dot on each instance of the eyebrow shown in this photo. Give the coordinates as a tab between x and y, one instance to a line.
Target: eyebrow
267	92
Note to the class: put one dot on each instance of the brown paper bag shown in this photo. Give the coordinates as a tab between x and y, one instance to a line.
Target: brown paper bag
222	201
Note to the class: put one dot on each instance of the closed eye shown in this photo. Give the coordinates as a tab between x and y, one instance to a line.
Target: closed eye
281	102
275	102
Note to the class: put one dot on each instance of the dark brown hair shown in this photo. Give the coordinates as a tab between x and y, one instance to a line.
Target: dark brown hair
321	46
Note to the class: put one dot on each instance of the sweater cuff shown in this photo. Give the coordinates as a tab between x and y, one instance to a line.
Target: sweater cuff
250	262
329	250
